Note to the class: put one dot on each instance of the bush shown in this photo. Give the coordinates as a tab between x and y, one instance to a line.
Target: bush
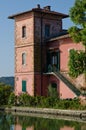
77	60
24	99
12	99
5	91
44	102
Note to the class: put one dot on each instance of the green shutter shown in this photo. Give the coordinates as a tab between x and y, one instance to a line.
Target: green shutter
24	86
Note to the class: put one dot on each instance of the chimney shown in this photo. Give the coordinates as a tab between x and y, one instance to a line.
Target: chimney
38	6
48	8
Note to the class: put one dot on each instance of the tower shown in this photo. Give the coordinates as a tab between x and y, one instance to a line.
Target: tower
32	29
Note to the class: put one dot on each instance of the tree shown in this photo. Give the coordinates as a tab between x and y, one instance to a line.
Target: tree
78	16
78	32
5	91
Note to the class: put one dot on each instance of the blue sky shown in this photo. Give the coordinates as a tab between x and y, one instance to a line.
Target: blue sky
10	7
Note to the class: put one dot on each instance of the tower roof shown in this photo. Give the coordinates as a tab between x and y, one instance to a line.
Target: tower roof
46	10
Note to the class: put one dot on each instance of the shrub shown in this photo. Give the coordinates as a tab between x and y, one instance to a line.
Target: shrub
12	99
24	99
4	94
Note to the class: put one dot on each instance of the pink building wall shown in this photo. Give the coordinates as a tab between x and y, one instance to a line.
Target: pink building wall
30	72
65	45
29	78
35	47
65	92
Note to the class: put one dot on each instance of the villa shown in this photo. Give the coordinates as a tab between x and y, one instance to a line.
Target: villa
42	52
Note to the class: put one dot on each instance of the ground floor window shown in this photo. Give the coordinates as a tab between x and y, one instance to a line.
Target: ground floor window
23	85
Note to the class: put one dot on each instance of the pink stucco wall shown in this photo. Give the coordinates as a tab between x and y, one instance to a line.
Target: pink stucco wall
65	45
29	66
29	78
24	45
28	21
65	92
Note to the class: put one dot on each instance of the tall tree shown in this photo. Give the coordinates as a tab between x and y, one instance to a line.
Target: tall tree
78	32
78	16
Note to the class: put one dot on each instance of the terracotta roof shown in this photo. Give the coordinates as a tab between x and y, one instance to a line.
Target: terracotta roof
39	10
60	35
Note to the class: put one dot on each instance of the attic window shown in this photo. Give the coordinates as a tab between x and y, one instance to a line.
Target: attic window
23	31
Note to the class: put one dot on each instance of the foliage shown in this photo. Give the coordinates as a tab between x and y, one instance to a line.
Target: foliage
78	34
5	91
24	99
44	102
78	16
7	80
76	62
12	99
52	91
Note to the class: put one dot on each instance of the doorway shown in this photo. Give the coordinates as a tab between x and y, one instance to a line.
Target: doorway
53	61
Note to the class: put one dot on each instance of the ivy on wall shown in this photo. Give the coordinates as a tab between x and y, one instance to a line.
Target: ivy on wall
77	60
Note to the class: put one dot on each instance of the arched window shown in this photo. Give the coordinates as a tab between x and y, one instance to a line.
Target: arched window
23	58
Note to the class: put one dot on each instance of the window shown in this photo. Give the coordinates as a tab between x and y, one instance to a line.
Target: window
23	58
24	85
47	31
54	60
23	31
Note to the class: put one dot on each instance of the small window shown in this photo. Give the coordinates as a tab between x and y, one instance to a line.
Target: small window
23	31
23	85
23	58
47	31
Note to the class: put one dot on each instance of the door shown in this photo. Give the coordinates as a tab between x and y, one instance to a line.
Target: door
53	60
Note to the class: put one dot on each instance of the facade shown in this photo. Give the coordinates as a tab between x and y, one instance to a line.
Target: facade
41	53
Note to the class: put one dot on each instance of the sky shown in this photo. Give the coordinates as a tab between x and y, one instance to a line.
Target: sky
10	7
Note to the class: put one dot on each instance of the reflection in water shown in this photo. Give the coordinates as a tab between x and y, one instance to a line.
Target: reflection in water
10	122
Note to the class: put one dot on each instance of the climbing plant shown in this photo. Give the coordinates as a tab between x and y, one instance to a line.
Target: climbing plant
76	63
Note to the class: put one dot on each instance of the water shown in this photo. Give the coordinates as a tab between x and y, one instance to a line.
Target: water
19	122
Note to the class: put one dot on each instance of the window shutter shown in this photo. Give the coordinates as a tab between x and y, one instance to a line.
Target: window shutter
24	86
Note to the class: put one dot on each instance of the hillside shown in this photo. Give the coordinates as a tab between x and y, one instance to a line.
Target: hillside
7	80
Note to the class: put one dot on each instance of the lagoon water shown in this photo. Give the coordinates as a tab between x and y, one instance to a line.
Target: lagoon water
19	122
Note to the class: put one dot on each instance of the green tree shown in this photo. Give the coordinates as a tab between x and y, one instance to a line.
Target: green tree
5	91
78	32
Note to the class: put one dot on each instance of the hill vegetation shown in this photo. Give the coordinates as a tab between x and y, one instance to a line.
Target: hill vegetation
7	80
